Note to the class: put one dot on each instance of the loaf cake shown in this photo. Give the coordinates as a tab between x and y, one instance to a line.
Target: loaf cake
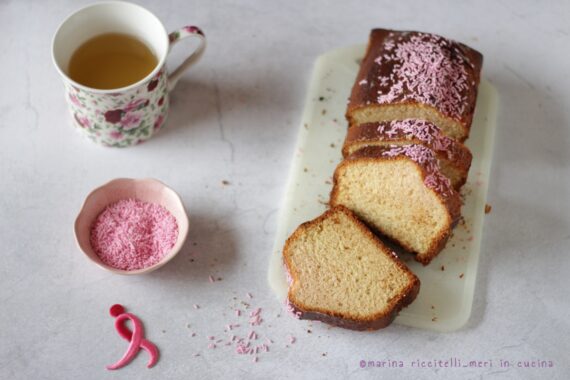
454	158
400	192
413	75
340	273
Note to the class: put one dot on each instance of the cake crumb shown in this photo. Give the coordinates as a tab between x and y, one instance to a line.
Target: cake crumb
434	319
324	354
321	98
225	182
305	170
332	145
306	126
324	112
461	275
443	267
488	208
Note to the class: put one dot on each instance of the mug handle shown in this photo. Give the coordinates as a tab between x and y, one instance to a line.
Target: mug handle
173	38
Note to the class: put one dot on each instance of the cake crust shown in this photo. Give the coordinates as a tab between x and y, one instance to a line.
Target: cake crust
371	322
421	70
411	131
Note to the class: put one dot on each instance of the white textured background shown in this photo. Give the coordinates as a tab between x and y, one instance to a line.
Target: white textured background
235	117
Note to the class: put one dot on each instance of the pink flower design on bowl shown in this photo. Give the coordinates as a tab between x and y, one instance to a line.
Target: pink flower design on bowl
75	100
117	135
82	121
136	104
131	120
158	122
113	116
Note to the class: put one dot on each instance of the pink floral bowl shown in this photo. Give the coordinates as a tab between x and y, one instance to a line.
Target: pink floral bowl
146	190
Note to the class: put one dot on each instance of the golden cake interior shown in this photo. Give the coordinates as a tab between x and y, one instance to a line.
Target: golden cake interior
448	169
391	196
388	112
338	267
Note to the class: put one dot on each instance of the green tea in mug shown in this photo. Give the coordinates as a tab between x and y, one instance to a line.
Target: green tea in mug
111	60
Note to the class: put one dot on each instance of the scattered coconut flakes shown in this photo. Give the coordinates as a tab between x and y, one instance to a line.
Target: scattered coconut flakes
255	321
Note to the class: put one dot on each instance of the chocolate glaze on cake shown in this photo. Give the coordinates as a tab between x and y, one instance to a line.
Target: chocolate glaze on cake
419	69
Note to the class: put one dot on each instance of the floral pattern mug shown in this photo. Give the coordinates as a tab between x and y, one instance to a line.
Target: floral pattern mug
130	115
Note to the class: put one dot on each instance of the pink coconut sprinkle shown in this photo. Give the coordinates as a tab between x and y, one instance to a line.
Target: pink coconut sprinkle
131	234
256	320
248	294
238	313
425	68
211	278
292	339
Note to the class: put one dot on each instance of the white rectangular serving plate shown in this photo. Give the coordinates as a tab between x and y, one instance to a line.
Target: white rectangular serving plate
448	282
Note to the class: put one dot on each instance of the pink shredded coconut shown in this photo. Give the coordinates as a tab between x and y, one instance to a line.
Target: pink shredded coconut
131	234
426	68
423	130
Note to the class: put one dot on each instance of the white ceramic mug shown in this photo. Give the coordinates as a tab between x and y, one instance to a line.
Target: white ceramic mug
129	115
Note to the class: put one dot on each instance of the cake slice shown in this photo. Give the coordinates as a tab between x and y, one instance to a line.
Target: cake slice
341	274
454	158
412	75
400	192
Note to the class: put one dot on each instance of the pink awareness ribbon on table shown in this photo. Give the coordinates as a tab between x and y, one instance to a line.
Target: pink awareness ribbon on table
135	338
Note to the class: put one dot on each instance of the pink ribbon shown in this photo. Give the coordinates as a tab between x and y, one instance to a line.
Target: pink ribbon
135	338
